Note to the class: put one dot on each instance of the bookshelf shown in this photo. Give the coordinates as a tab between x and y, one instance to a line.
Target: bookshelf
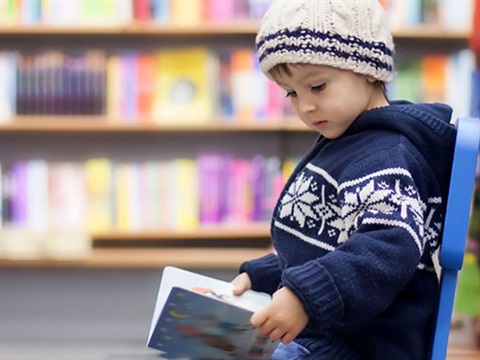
100	124
235	28
80	137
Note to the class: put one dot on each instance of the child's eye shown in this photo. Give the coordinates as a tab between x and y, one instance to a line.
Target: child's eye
291	94
318	87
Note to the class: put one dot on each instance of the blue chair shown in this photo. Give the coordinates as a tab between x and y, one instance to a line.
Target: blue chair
455	227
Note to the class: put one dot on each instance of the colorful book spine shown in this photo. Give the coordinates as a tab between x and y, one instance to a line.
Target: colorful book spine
99	173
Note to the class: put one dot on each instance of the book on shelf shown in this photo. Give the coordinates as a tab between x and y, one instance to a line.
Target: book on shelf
184	197
434	70
243	83
450	14
407	85
101	194
186	13
8	85
185	86
99	189
198	317
475	111
67	203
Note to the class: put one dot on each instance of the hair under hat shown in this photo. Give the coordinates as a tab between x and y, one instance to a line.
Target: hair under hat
345	34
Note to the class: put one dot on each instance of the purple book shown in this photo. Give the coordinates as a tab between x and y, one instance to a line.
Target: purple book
258	187
210	180
19	193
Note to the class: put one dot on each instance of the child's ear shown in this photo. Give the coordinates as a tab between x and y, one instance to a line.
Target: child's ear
371	79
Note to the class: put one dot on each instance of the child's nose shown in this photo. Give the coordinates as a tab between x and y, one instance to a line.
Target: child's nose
307	105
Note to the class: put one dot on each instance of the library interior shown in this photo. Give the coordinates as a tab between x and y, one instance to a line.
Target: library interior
141	134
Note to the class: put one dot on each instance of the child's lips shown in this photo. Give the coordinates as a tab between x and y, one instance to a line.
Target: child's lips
320	123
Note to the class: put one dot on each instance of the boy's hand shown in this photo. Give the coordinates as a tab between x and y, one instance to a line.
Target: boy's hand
241	283
283	318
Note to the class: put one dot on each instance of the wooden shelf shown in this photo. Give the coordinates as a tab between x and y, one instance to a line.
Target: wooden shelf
208	247
208	258
431	32
99	124
247	232
243	27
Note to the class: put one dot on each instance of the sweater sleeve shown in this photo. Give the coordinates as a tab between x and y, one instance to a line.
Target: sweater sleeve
380	250
264	273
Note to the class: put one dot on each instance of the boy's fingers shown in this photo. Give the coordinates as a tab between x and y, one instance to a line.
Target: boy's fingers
238	290
258	318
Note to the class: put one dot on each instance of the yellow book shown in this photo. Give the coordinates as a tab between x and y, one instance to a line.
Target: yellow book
128	199
184	86
114	88
288	167
184	194
187	13
121	196
98	173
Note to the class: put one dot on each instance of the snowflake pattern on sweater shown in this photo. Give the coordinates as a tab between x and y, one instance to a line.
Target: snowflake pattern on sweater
316	209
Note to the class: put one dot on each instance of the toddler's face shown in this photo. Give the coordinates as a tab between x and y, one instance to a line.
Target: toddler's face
328	100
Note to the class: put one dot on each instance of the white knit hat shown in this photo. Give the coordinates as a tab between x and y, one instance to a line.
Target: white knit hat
345	34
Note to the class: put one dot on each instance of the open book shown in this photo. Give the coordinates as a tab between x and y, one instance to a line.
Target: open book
197	317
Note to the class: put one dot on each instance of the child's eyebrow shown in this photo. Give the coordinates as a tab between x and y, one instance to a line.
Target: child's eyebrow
282	84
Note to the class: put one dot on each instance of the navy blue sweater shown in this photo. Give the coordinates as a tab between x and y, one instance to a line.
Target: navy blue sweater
355	228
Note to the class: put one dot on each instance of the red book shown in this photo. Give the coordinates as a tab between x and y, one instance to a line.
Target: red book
142	10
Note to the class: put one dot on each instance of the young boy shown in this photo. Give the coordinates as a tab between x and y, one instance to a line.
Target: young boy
357	222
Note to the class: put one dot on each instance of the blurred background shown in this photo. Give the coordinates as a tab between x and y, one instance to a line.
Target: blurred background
136	134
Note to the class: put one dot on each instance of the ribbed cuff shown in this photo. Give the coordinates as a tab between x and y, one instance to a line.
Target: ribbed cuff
315	288
264	273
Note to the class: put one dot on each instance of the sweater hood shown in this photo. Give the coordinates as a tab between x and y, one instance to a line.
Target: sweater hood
426	126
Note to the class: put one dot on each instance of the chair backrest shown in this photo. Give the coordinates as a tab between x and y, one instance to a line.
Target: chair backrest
455	227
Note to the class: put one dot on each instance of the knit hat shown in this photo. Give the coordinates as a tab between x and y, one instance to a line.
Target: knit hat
344	34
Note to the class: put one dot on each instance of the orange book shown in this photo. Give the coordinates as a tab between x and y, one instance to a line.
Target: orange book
434	70
146	87
243	84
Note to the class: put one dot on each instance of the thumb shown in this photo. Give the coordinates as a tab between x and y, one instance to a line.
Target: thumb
241	283
238	289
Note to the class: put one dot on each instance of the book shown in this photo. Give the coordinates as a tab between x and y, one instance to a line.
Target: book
184	86
198	317
99	179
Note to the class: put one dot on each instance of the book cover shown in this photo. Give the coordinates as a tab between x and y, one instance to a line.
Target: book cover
185	86
198	317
